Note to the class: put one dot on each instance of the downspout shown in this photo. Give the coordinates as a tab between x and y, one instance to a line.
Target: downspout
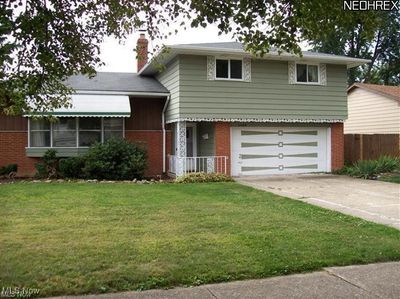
164	146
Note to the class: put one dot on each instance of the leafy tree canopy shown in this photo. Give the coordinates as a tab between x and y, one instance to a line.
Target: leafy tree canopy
382	47
42	42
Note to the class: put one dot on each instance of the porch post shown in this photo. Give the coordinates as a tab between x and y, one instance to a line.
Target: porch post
180	147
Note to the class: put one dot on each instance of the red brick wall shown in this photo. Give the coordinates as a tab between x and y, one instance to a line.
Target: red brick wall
152	141
337	146
12	150
223	142
144	126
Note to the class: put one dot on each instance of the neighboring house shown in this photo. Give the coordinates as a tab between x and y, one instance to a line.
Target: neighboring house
373	109
214	107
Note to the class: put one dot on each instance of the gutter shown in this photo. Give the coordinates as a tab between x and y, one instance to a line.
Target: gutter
175	50
125	93
164	145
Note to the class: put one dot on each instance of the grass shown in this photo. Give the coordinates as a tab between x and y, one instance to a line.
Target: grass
71	238
391	178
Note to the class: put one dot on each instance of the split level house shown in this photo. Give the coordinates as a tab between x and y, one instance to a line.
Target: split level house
213	107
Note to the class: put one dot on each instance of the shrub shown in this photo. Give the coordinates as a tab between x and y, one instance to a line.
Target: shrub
202	177
72	167
116	159
387	164
366	169
49	167
370	169
8	169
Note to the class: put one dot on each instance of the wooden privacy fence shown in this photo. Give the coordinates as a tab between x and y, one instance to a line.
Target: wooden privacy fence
366	146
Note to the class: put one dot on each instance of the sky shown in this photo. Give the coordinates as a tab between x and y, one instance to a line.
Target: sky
121	58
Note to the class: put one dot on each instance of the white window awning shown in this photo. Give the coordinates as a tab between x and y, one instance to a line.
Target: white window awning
88	105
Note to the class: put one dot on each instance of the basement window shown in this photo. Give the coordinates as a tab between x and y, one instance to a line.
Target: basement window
230	69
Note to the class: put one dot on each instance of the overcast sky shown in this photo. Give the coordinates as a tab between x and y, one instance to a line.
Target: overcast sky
121	58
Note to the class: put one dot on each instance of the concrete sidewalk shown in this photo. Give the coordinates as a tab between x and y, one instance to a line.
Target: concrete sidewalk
367	281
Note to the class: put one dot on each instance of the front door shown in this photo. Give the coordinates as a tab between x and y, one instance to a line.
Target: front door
189	141
191	146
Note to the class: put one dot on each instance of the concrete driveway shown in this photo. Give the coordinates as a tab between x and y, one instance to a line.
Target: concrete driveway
371	200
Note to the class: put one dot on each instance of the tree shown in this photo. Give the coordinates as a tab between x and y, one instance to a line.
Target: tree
382	47
42	42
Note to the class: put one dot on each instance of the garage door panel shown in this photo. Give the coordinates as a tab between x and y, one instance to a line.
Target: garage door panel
276	161
275	139
275	170
276	151
258	151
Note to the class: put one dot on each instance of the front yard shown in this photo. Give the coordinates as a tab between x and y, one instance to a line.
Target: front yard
72	238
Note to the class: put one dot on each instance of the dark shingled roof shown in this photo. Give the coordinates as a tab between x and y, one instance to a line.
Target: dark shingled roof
122	82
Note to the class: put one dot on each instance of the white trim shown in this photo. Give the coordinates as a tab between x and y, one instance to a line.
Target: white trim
29	132
307	64
125	93
77	131
229	69
175	50
230	158
164	139
51	134
328	150
255	120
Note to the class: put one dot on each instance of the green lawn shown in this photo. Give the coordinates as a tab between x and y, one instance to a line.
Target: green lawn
71	238
391	178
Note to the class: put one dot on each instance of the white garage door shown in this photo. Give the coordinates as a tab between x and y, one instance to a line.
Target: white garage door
279	150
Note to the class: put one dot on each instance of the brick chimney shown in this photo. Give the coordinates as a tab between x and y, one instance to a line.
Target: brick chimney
142	51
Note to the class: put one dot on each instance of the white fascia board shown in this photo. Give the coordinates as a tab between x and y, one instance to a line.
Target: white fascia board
350	62
125	93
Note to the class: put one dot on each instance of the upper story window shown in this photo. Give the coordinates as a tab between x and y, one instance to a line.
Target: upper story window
307	73
231	69
74	131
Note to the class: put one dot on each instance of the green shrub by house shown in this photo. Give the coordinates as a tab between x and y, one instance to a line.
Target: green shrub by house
116	159
49	167
8	169
72	167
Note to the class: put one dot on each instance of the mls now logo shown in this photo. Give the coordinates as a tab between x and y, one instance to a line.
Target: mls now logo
363	5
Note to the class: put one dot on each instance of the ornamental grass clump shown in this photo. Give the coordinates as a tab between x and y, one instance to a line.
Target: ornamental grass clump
371	169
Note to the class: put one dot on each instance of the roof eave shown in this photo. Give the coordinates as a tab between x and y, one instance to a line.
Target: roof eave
149	68
121	92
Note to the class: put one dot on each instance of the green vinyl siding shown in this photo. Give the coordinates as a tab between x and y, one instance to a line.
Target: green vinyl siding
169	77
268	95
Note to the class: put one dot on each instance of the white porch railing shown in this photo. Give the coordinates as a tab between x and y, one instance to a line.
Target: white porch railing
209	164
